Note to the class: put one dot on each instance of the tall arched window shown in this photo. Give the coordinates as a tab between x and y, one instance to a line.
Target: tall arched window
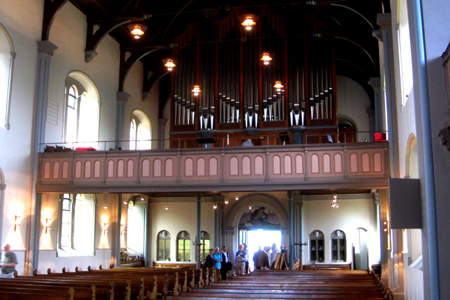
7	56
163	245
140	131
338	246
317	246
183	246
205	241
82	111
77	222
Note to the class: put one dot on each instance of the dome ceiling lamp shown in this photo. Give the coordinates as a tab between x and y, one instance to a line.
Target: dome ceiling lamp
266	58
137	30
248	21
196	90
278	85
169	64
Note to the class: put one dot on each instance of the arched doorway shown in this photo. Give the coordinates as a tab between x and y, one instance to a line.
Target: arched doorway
258	218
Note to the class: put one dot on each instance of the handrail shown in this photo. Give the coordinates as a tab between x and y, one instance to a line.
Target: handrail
262	140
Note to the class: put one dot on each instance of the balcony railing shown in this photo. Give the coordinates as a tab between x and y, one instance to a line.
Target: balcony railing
281	167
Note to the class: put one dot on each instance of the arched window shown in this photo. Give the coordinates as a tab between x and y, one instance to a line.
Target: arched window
317	246
163	245
338	246
140	131
7	56
77	222
183	246
205	241
82	111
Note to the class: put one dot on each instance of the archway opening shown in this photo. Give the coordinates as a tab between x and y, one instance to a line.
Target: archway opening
261	238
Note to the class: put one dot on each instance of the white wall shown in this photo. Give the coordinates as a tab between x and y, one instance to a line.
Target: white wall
354	102
16	152
352	213
180	216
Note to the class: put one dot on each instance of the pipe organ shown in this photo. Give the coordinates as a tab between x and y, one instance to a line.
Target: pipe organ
237	92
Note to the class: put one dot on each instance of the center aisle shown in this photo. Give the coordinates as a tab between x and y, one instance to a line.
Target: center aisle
275	284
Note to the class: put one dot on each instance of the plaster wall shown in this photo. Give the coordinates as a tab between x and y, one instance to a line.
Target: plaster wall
351	215
48	252
180	216
435	17
15	159
353	102
68	33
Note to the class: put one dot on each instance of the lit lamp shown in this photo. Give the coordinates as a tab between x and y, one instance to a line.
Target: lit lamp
214	206
278	86
137	30
105	226
226	201
169	64
334	202
47	225
16	222
196	90
249	22
236	198
266	58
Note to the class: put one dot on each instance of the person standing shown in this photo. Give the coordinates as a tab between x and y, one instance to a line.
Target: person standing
248	143
9	262
217	258
273	255
209	261
241	259
226	264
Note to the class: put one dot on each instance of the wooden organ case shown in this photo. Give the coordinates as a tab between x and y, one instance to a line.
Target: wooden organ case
237	98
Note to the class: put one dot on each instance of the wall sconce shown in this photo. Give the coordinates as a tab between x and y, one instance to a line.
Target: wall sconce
278	86
266	58
137	30
385	226
214	206
334	202
105	207
196	90
47	225
16	222
249	21
226	201
166	208
105	226
122	229
125	202
168	63
236	197
250	207
142	198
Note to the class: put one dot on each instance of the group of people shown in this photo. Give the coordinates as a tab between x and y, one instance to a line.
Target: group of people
219	259
262	259
265	259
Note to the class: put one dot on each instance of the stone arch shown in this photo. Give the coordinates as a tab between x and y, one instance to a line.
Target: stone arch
411	157
238	209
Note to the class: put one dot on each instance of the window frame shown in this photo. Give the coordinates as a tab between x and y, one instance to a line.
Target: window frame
316	239
336	242
166	251
184	236
204	250
12	56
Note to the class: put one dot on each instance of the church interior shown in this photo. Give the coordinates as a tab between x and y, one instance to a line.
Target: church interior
145	133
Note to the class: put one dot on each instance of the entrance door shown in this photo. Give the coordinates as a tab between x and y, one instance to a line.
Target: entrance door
259	238
361	253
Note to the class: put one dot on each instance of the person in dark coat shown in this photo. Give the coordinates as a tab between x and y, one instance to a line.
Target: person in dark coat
226	264
209	261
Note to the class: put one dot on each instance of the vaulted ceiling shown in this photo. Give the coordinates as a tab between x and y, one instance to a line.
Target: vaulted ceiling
349	22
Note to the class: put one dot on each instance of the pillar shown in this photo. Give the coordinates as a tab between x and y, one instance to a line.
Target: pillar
45	53
161	130
122	99
374	82
384	35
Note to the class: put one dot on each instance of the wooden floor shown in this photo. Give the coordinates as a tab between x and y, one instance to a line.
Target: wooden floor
323	284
